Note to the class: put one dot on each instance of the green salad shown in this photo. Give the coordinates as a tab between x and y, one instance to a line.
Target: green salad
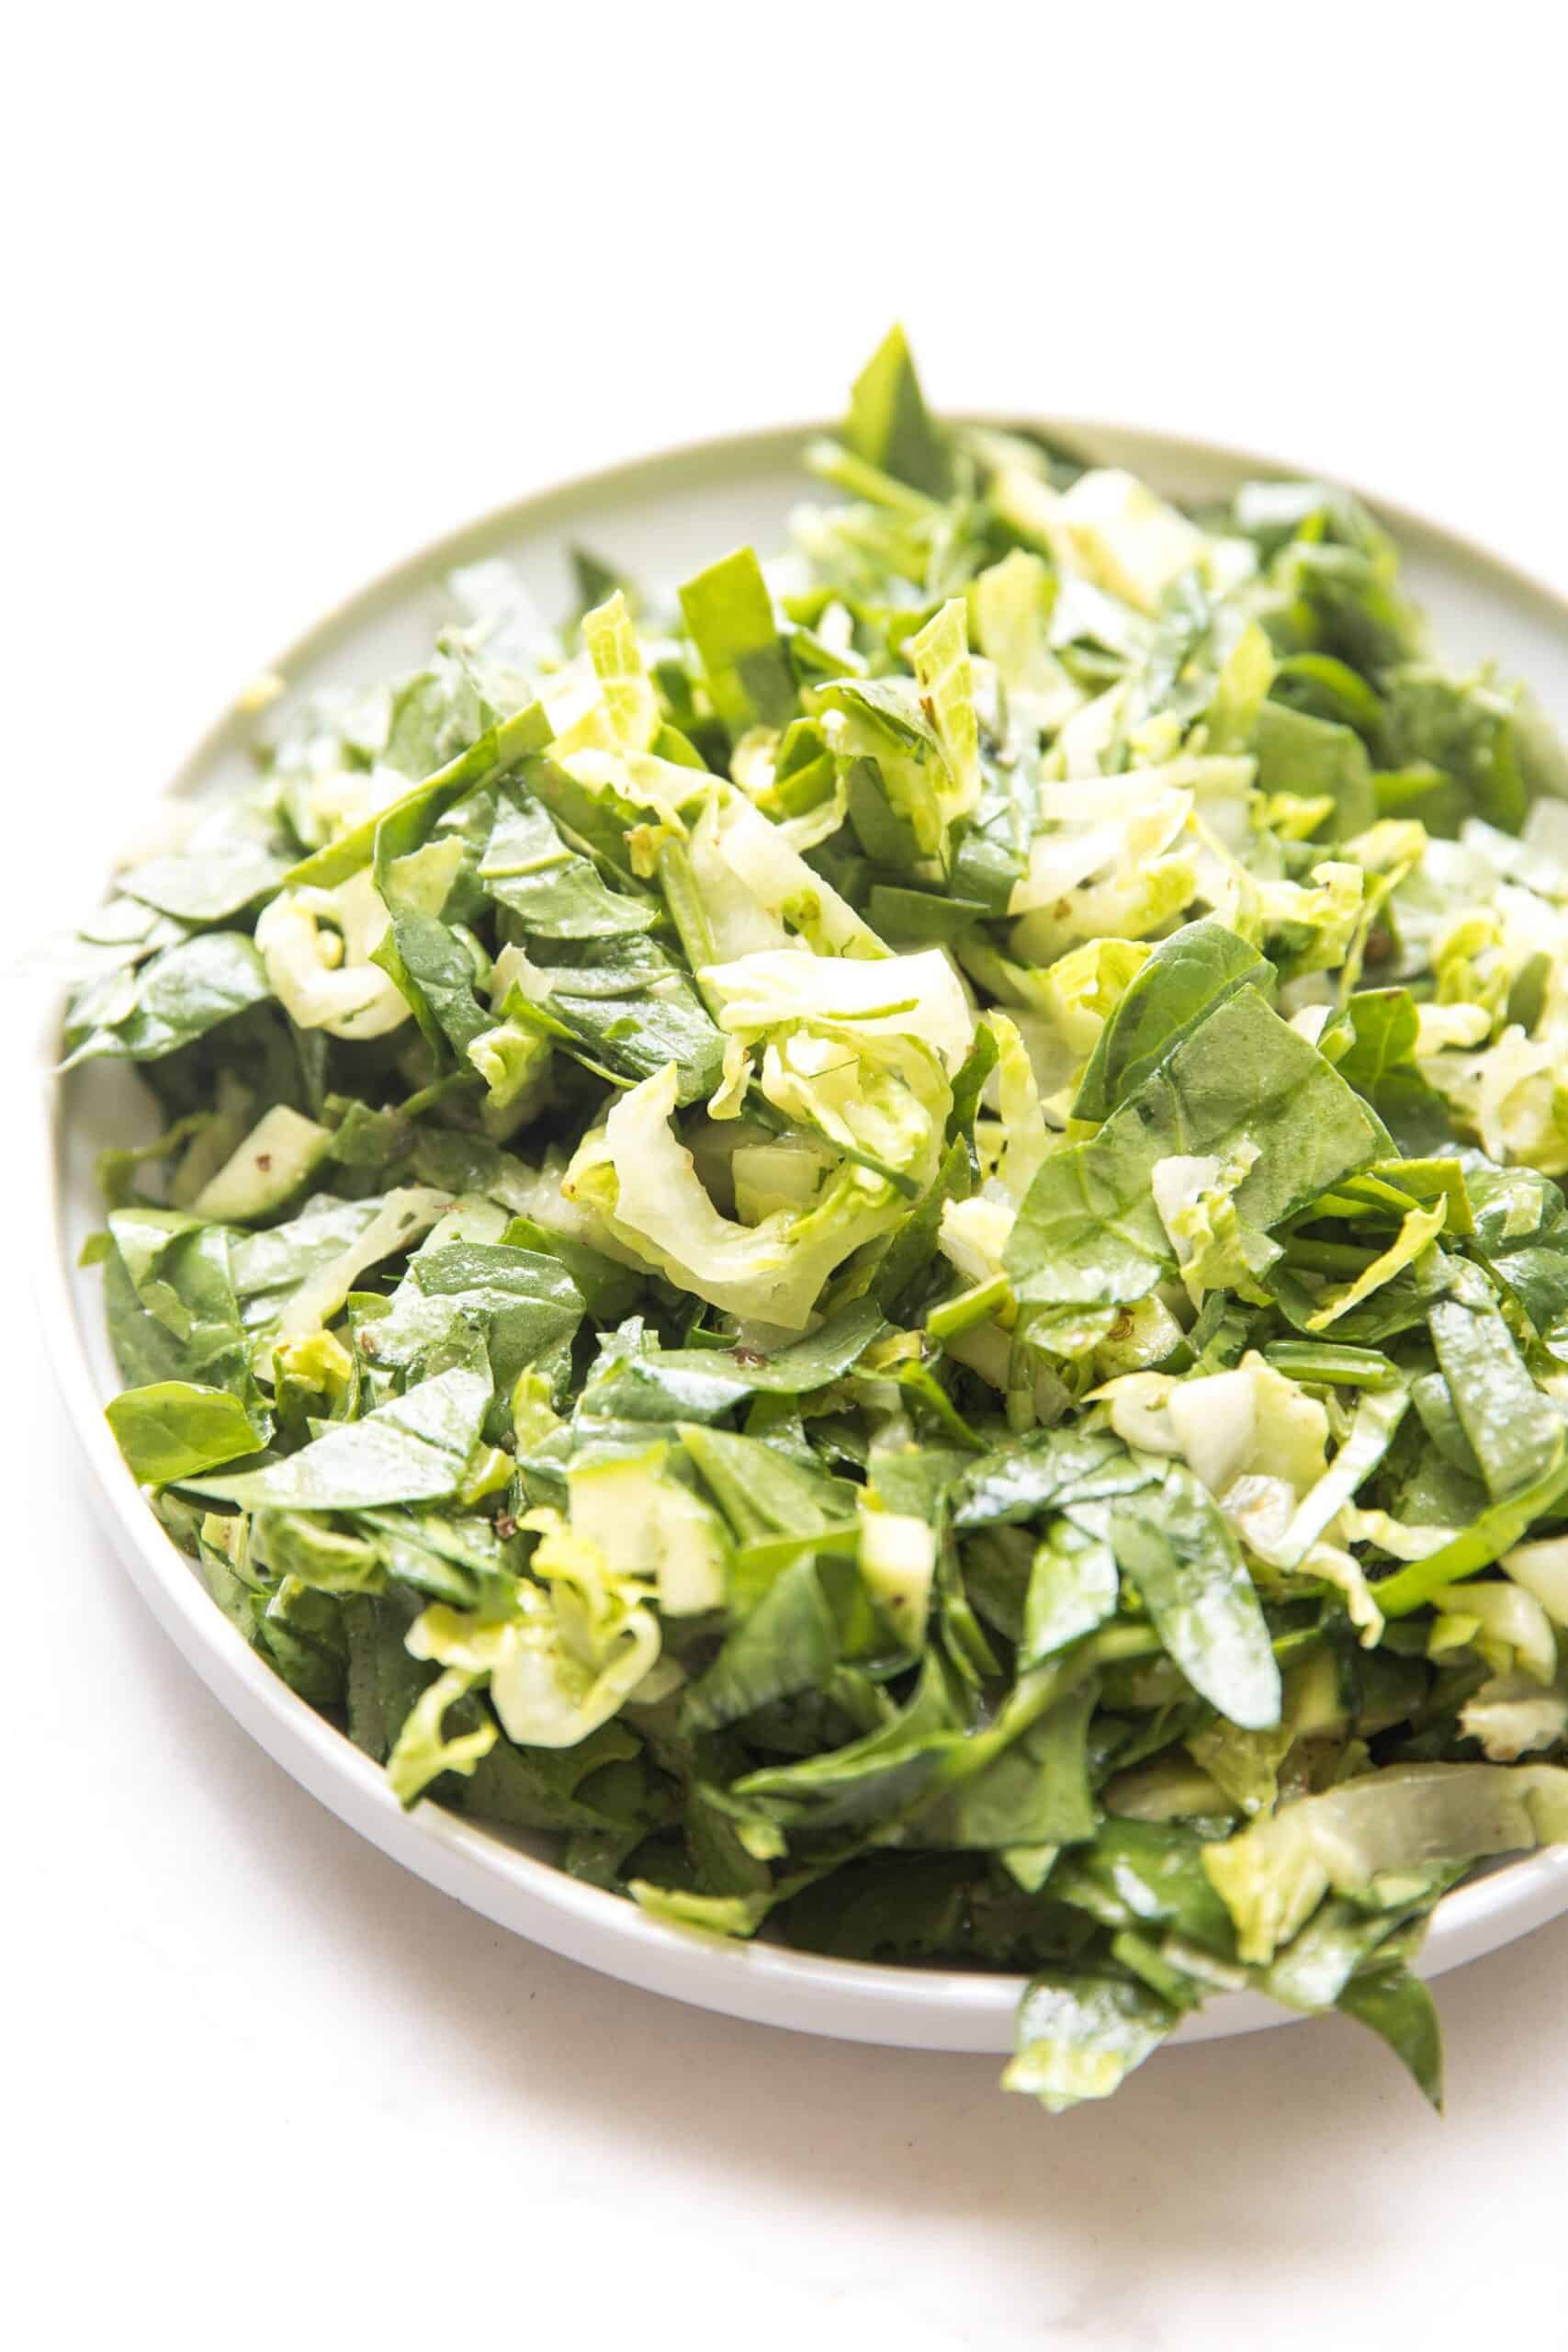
876	1238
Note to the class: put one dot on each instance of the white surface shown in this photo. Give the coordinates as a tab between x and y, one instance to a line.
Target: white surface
295	290
659	517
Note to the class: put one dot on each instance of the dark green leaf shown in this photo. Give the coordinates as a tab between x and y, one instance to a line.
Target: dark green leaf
177	1427
1088	1233
416	1449
181	995
1184	1560
1186	978
1398	2009
889	425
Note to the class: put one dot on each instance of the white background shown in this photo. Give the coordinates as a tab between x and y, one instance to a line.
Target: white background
292	290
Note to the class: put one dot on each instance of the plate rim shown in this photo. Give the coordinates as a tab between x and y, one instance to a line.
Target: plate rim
856	2000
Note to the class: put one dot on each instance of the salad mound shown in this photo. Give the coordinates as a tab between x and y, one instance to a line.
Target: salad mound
877	1239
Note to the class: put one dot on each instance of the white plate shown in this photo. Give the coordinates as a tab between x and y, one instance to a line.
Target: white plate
660	518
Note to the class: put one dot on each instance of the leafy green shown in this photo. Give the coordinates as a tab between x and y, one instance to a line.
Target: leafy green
729	616
1312	757
1380	1062
1080	2036
1088	1233
199	886
176	997
1399	2011
414	1449
888	423
877	1240
1072	1588
500	748
1179	1551
175	1427
1515	1435
554	892
1273	1875
1189	975
173	1308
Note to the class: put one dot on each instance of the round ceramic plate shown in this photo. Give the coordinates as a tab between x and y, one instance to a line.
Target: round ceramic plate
660	518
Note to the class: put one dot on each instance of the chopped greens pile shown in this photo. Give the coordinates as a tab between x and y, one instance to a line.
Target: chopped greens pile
877	1239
